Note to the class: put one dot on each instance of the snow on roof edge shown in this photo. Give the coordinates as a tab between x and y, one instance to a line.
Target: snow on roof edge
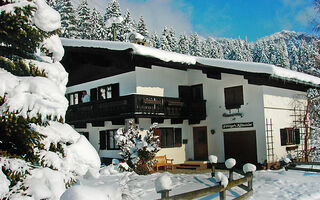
251	67
137	49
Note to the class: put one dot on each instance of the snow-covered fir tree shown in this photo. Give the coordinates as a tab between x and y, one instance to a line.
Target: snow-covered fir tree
84	22
97	26
184	44
113	21
37	150
68	20
128	25
142	27
283	58
136	150
293	56
154	40
195	45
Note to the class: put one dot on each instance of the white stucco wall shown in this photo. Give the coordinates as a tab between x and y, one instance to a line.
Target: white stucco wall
278	105
127	84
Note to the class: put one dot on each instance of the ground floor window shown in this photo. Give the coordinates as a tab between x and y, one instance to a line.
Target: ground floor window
289	136
107	140
169	137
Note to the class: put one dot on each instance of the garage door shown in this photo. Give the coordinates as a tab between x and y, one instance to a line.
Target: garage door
241	146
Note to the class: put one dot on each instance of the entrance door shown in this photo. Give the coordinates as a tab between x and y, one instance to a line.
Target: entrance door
241	146
200	144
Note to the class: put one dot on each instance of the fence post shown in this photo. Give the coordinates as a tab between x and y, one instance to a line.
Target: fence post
164	193
222	194
213	169
250	175
230	174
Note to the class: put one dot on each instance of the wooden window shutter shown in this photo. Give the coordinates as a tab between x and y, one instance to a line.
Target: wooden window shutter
103	144
157	132
283	136
297	136
185	93
178	137
115	90
94	94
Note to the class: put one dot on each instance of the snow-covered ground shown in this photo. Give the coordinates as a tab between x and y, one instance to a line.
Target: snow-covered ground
279	184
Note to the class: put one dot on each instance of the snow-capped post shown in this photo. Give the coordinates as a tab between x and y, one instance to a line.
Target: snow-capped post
230	163
213	160
223	181
248	169
287	162
163	185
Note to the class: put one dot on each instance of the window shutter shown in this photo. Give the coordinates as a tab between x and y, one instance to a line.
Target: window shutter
185	93
94	94
178	137
115	90
283	136
297	135
103	144
157	132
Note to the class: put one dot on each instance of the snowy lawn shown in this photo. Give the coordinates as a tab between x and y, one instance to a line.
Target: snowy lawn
279	184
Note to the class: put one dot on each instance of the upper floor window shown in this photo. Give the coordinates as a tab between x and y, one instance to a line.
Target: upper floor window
233	97
105	92
107	140
290	136
169	137
75	97
191	93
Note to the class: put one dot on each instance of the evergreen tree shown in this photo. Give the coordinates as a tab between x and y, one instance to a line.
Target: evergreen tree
195	47
128	25
97	26
173	43
283	57
68	20
142	27
113	21
184	44
84	21
293	56
155	41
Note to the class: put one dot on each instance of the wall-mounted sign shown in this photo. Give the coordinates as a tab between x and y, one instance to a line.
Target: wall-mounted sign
237	125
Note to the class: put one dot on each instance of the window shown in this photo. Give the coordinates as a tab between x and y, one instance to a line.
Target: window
169	137
107	140
191	93
74	98
289	136
233	97
105	92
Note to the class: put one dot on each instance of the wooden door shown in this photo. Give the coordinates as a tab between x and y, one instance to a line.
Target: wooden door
241	146
200	144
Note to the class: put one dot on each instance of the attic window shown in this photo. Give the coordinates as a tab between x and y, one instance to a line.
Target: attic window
289	136
233	97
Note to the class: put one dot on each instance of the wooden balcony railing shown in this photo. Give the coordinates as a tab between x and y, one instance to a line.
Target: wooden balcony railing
135	106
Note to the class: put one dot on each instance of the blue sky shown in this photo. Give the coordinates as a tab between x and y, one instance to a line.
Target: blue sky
222	18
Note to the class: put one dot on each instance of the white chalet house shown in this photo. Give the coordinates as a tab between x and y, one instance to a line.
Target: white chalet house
247	111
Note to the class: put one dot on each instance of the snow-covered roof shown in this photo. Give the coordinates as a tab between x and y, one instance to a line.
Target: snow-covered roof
166	56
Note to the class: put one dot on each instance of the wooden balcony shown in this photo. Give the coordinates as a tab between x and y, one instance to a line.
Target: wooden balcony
136	106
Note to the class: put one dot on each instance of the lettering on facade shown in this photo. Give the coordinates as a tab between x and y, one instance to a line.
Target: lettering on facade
237	125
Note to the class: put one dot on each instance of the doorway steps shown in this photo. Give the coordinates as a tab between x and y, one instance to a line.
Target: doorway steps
192	165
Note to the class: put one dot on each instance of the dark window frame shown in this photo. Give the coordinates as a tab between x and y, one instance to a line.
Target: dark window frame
105	142
169	137
191	93
105	92
233	97
289	136
73	96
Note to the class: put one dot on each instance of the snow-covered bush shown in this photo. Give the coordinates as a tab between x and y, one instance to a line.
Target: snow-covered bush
39	154
138	152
